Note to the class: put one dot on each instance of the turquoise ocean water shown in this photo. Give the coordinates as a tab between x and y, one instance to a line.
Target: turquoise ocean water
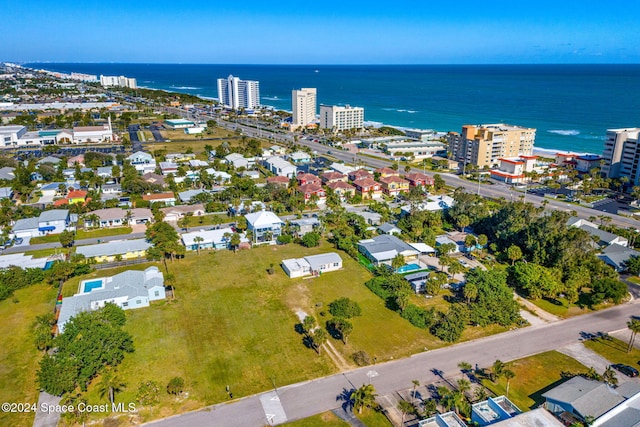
571	106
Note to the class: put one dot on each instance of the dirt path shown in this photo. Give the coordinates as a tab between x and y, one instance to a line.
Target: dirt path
336	357
544	315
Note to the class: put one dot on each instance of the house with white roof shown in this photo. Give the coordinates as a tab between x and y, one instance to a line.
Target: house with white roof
211	239
281	167
168	168
265	227
175	213
143	162
129	290
239	161
384	248
299	157
434	203
54	221
114	249
312	265
218	176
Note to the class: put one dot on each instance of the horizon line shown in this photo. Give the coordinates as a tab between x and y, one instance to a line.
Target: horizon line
327	64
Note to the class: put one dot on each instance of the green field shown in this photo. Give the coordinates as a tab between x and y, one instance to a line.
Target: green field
326	419
562	309
82	234
19	357
615	351
534	376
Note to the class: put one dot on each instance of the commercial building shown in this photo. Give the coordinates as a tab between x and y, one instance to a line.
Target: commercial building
234	93
621	154
337	118
303	105
485	145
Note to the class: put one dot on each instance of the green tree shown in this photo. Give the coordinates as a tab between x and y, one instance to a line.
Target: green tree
416	384
318	338
497	369
632	265
175	386
634	327
363	397
42	331
342	327
508	374
514	253
308	324
110	384
66	238
470	292
535	280
198	240
345	308
397	262
405	407
609	377
311	240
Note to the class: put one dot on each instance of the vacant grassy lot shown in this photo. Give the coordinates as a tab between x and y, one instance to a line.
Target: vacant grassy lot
615	351
534	375
326	419
560	307
83	234
19	357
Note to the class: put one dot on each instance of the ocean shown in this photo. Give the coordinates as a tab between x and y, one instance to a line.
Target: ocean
571	106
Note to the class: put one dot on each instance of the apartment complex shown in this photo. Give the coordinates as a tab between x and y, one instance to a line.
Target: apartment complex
118	81
485	145
621	154
234	93
303	105
339	118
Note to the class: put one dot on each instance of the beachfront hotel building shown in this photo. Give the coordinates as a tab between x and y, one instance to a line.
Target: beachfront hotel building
118	81
337	118
234	93
485	145
303	106
622	154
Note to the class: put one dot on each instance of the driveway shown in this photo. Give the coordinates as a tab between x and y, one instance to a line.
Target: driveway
591	359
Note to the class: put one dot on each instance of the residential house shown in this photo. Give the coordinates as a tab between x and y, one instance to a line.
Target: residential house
143	162
617	256
168	168
603	238
129	290
115	250
358	174
341	168
76	196
110	191
418	179
54	221
277	149
417	280
384	248
433	204
25	261
7	173
175	213
309	191
279	166
50	160
393	185
371	218
342	189
580	399
265	226
331	176
367	188
388	228
106	172
72	161
195	163
211	239
448	419
445	239
180	157
187	196
239	161
313	265
106	218
299	157
140	216
307	178
154	178
168	199
218	176
494	410
280	181
302	226
386	172
251	174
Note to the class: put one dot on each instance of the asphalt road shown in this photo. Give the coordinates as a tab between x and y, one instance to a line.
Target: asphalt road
312	397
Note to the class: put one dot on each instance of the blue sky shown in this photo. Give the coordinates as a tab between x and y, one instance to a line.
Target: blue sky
321	32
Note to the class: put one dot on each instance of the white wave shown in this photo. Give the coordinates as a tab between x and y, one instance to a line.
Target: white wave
401	111
185	87
411	111
565	132
271	98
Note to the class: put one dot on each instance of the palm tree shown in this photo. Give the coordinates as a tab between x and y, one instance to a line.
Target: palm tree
416	384
497	369
364	397
405	408
509	375
170	279
464	366
198	240
634	326
609	377
463	385
110	384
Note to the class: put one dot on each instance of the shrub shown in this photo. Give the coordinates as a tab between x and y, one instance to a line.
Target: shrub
361	358
345	308
284	239
419	317
311	240
148	393
175	386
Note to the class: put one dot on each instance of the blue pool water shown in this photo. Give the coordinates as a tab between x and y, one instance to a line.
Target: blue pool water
408	267
89	286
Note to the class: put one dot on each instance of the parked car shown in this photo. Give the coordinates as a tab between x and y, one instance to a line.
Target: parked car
625	369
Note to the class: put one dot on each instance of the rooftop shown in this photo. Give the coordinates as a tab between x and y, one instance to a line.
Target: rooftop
112	248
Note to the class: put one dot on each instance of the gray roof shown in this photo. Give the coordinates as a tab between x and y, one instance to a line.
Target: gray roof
384	246
604	236
49	159
588	397
315	261
5	192
114	247
617	255
54	215
538	417
305	221
7	173
186	196
387	227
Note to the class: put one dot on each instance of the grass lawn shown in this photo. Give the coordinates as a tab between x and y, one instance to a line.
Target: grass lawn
326	419
19	357
615	351
633	279
208	219
82	234
43	253
372	418
534	376
561	307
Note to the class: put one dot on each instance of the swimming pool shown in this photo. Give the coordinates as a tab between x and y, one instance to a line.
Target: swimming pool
408	267
89	286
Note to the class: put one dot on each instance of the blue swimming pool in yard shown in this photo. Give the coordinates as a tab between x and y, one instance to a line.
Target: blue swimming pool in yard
89	286
408	267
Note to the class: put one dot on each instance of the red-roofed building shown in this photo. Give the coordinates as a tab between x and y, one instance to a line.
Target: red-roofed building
358	174
368	188
342	188
311	189
168	199
418	179
307	178
328	177
281	181
386	171
393	185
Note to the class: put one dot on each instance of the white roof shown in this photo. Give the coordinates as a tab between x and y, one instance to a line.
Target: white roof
315	261
422	248
263	219
208	236
296	264
114	247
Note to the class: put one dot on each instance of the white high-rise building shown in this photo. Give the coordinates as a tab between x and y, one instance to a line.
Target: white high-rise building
303	105
622	154
118	81
235	93
339	118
